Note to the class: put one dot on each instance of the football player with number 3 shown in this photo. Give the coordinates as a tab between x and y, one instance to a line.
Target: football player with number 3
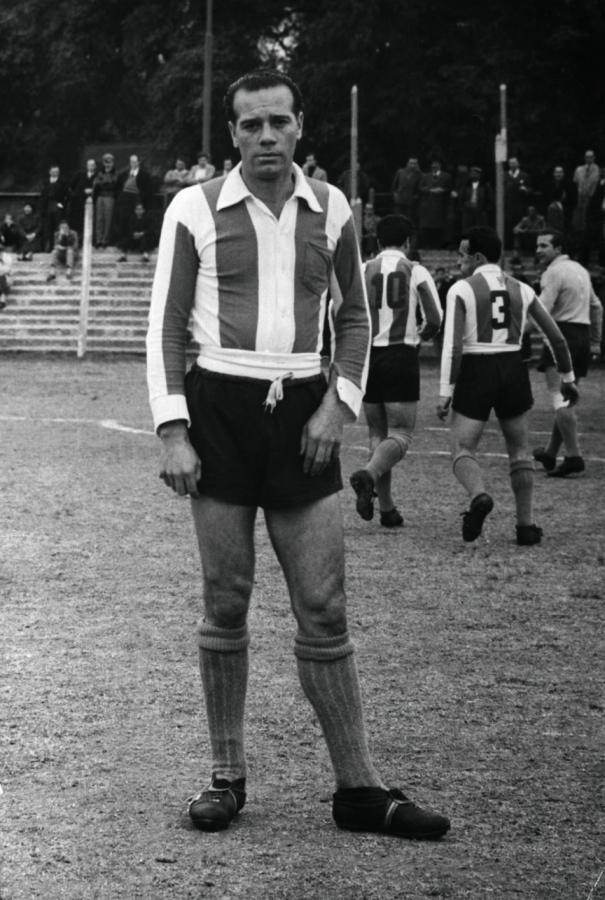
405	309
482	369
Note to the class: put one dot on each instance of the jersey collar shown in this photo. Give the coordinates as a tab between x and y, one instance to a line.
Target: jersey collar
235	190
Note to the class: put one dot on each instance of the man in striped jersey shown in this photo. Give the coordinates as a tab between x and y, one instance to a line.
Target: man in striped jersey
482	369
249	258
405	309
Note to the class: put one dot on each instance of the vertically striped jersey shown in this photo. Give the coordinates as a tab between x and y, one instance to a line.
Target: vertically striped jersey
404	303
487	314
253	289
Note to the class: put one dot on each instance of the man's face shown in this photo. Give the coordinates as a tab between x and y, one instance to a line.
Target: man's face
466	263
589	157
545	252
513	164
134	162
265	131
413	163
54	171
558	173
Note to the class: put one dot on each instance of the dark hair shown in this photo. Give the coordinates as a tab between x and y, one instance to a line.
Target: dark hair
393	231
257	80
486	241
557	238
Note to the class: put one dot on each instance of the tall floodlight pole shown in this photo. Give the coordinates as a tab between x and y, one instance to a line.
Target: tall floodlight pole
500	158
356	205
207	96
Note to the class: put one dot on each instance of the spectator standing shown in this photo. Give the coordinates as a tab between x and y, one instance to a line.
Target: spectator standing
227	167
54	198
558	200
476	201
585	178
406	190
105	191
202	171
29	226
567	293
454	223
363	184
134	185
404	309
65	250
139	234
256	424
593	244
312	169
435	191
482	369
82	187
517	197
175	180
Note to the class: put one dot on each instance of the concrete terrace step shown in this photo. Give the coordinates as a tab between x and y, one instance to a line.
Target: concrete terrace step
44	316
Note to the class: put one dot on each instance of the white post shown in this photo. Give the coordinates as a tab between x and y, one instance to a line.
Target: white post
356	204
86	266
501	153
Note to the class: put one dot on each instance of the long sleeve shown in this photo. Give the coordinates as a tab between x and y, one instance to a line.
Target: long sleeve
455	315
430	305
352	332
556	341
596	319
172	299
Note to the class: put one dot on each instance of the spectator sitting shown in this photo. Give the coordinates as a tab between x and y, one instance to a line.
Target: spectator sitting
65	250
29	226
203	169
227	166
11	237
175	179
6	267
139	235
526	231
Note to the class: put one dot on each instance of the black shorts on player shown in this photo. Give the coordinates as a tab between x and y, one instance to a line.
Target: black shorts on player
498	381
250	455
394	375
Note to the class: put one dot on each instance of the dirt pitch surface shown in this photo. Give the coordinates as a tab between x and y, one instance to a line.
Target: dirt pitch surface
482	670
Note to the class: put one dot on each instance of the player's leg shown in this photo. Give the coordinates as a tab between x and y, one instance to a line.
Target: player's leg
225	534
516	435
465	436
309	544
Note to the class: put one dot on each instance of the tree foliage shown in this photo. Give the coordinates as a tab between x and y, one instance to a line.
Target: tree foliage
428	75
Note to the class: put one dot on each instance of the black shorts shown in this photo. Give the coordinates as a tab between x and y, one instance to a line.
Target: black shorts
499	382
251	456
394	375
578	341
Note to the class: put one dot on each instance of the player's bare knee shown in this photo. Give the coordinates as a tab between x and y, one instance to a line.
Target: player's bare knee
226	602
403	439
321	614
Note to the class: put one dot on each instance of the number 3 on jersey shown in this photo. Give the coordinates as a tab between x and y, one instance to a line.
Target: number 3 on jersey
500	309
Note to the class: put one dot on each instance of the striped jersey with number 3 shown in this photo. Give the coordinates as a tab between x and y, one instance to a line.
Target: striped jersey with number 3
496	312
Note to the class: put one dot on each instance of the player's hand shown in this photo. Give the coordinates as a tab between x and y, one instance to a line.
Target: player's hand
322	435
180	466
443	407
569	390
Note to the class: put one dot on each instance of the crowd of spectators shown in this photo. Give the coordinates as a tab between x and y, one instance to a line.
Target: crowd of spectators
443	205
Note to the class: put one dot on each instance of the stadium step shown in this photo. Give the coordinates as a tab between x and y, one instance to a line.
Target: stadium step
44	316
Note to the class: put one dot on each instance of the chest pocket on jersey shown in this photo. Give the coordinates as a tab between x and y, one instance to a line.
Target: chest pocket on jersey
316	268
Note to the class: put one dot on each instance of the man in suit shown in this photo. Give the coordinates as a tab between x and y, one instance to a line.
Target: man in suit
54	198
134	186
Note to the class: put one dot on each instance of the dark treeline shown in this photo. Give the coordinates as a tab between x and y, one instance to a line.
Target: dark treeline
81	72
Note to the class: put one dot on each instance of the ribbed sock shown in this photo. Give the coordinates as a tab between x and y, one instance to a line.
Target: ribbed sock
468	472
387	454
328	675
522	483
223	654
